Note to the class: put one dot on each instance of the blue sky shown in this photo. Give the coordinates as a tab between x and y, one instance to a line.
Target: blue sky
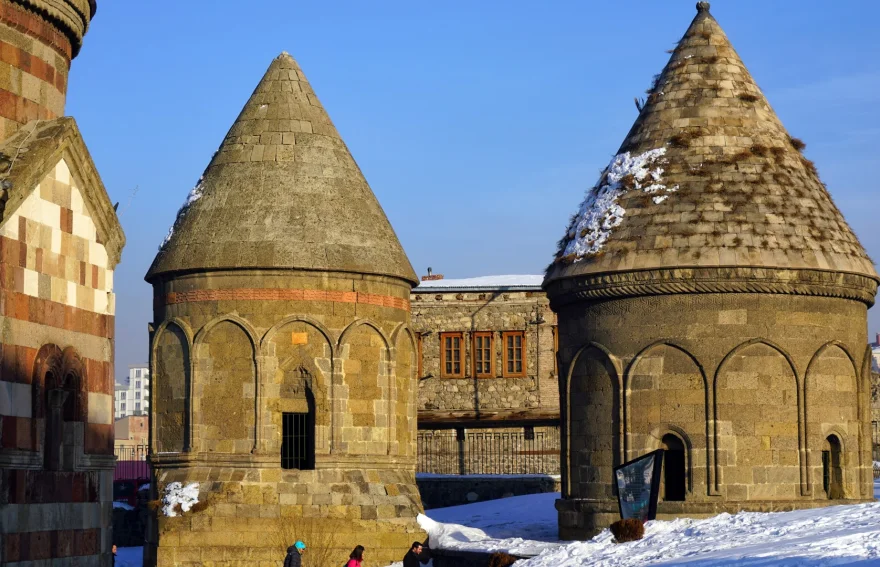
478	124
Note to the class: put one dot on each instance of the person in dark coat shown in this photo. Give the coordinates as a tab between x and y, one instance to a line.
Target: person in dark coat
294	555
113	557
411	559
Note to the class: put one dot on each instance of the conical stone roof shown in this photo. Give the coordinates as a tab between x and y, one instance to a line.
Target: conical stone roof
708	177
283	192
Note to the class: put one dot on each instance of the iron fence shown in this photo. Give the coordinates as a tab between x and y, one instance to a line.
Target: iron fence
131	462
489	452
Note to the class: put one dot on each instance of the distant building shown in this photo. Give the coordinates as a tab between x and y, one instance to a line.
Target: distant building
133	398
488	387
131	431
875	353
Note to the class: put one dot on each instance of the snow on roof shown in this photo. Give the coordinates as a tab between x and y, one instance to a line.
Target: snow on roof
484	282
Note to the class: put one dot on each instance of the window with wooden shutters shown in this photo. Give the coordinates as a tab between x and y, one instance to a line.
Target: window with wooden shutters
514	349
483	354
451	354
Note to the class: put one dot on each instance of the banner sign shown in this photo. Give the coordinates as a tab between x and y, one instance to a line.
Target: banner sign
638	486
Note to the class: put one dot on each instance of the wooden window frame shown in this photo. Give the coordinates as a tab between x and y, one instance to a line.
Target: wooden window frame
461	359
483	335
504	372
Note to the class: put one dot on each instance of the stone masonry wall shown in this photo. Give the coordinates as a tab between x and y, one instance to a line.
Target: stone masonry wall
435	312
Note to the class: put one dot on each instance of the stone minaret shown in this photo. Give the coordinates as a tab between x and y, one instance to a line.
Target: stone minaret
712	301
39	38
282	356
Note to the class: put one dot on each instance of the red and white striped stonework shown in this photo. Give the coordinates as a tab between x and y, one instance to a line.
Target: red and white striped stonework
56	380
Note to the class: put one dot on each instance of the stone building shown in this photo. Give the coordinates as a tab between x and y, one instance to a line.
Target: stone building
712	301
60	241
488	388
282	360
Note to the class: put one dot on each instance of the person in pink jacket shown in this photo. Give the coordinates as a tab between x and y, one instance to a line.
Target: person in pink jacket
356	557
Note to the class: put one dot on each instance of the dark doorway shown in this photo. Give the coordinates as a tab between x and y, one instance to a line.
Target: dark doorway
674	469
832	472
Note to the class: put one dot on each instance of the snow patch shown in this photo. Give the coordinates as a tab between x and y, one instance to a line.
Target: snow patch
486	281
123	506
194	195
176	493
599	213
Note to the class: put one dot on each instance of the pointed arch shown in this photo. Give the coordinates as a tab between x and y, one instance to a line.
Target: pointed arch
270	334
222	390
359	322
404	393
764	398
612	366
678	372
166	431
825	402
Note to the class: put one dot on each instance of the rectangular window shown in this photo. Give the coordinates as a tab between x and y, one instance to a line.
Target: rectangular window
137	373
122	395
483	354
137	405
137	384
137	395
451	347
514	346
123	407
297	445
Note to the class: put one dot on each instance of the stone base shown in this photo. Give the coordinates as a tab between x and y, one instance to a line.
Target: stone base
253	515
583	519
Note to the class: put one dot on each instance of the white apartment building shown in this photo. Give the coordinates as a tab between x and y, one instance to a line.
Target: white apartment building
133	398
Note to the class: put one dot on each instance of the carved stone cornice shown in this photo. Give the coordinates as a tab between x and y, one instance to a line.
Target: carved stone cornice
712	280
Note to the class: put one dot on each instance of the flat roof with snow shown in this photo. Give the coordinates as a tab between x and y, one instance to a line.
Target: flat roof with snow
510	282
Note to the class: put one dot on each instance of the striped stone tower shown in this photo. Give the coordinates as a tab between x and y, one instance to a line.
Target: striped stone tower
282	358
60	242
712	302
38	41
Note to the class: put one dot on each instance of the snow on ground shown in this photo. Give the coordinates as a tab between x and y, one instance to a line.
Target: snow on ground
129	556
486	281
496	525
837	535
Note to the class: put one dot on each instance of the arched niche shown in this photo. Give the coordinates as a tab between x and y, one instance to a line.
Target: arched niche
365	401
171	389
225	388
298	371
757	428
674	484
666	390
832	405
832	468
404	396
593	410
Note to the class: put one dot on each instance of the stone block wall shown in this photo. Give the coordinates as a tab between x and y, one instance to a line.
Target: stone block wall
56	377
755	387
336	345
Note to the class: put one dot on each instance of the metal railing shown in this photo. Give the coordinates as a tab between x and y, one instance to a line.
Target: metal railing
489	452
131	462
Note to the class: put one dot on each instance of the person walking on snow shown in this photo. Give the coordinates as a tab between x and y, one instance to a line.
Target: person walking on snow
294	555
411	559
356	557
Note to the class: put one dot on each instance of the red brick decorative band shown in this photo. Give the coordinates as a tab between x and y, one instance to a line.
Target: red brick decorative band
19	109
21	59
261	294
44	312
33	25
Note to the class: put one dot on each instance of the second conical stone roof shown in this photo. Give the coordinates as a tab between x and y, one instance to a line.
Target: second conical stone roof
708	177
283	192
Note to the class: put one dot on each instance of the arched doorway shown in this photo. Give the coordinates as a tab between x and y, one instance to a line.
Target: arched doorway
674	469
832	470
